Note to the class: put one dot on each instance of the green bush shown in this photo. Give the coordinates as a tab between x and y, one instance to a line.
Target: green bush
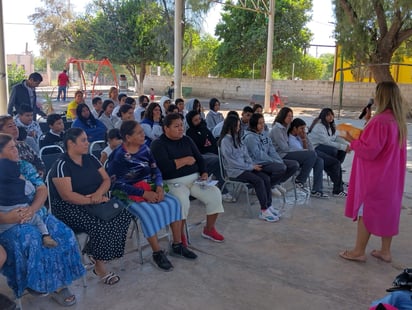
15	74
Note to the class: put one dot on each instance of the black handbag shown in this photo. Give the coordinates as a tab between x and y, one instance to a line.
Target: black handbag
106	210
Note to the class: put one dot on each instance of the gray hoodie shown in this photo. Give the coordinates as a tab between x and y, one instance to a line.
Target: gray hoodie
260	148
235	160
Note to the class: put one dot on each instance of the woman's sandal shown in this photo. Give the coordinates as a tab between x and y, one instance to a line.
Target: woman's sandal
110	278
36	293
64	297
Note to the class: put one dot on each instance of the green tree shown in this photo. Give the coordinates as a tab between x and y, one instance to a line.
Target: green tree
371	31
40	63
192	18
243	36
125	31
49	23
308	68
327	65
15	74
201	61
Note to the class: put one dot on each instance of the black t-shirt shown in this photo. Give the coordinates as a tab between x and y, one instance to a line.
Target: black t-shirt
85	179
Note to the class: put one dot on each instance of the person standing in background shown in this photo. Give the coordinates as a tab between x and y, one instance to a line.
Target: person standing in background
63	83
25	93
152	94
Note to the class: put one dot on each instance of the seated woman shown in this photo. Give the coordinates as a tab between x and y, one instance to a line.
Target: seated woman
78	179
8	126
30	265
95	129
125	113
239	165
279	136
164	103
133	167
330	147
72	106
12	185
106	116
207	145
194	104
214	116
152	123
258	108
298	141
322	134
181	165
262	152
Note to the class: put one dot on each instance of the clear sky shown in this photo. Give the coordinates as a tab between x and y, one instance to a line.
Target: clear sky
18	30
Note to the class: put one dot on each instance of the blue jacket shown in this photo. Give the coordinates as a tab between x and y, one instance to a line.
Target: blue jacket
94	132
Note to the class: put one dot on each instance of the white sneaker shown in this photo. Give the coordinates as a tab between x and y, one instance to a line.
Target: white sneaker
274	211
267	216
228	198
276	192
281	189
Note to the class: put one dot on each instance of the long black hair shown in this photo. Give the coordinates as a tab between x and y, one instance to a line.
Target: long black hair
297	122
283	113
89	122
230	128
254	120
71	134
322	118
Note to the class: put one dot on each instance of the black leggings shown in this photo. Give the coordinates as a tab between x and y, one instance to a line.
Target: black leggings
261	184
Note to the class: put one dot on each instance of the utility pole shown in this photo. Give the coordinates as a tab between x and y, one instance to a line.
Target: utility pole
178	49
269	55
260	6
3	68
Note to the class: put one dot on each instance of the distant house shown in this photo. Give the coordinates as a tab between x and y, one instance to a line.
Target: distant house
24	60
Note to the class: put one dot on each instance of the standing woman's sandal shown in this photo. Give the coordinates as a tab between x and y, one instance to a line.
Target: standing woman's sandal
110	278
64	297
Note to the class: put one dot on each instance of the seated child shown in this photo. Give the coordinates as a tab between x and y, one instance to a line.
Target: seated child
24	118
55	134
113	139
12	185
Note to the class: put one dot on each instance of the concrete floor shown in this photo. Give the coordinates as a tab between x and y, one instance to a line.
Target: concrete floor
291	264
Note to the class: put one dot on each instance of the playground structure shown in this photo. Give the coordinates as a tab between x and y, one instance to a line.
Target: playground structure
105	62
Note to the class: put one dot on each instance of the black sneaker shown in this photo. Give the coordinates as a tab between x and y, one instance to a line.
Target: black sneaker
161	261
179	250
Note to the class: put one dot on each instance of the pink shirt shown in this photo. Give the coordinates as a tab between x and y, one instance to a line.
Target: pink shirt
378	176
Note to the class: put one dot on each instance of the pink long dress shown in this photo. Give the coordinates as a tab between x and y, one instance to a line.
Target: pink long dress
378	176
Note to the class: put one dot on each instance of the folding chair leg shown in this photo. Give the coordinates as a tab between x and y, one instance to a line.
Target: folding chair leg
139	245
187	233
18	304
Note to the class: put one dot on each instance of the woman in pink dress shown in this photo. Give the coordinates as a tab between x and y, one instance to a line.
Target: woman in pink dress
378	175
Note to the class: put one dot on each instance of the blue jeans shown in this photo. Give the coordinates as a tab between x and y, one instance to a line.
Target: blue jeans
62	89
306	160
333	168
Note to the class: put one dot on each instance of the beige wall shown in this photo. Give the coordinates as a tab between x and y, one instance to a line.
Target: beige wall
26	61
303	92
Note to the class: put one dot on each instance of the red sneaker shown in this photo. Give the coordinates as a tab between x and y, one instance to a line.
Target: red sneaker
184	240
212	235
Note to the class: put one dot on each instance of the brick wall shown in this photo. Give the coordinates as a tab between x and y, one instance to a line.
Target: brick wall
302	92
